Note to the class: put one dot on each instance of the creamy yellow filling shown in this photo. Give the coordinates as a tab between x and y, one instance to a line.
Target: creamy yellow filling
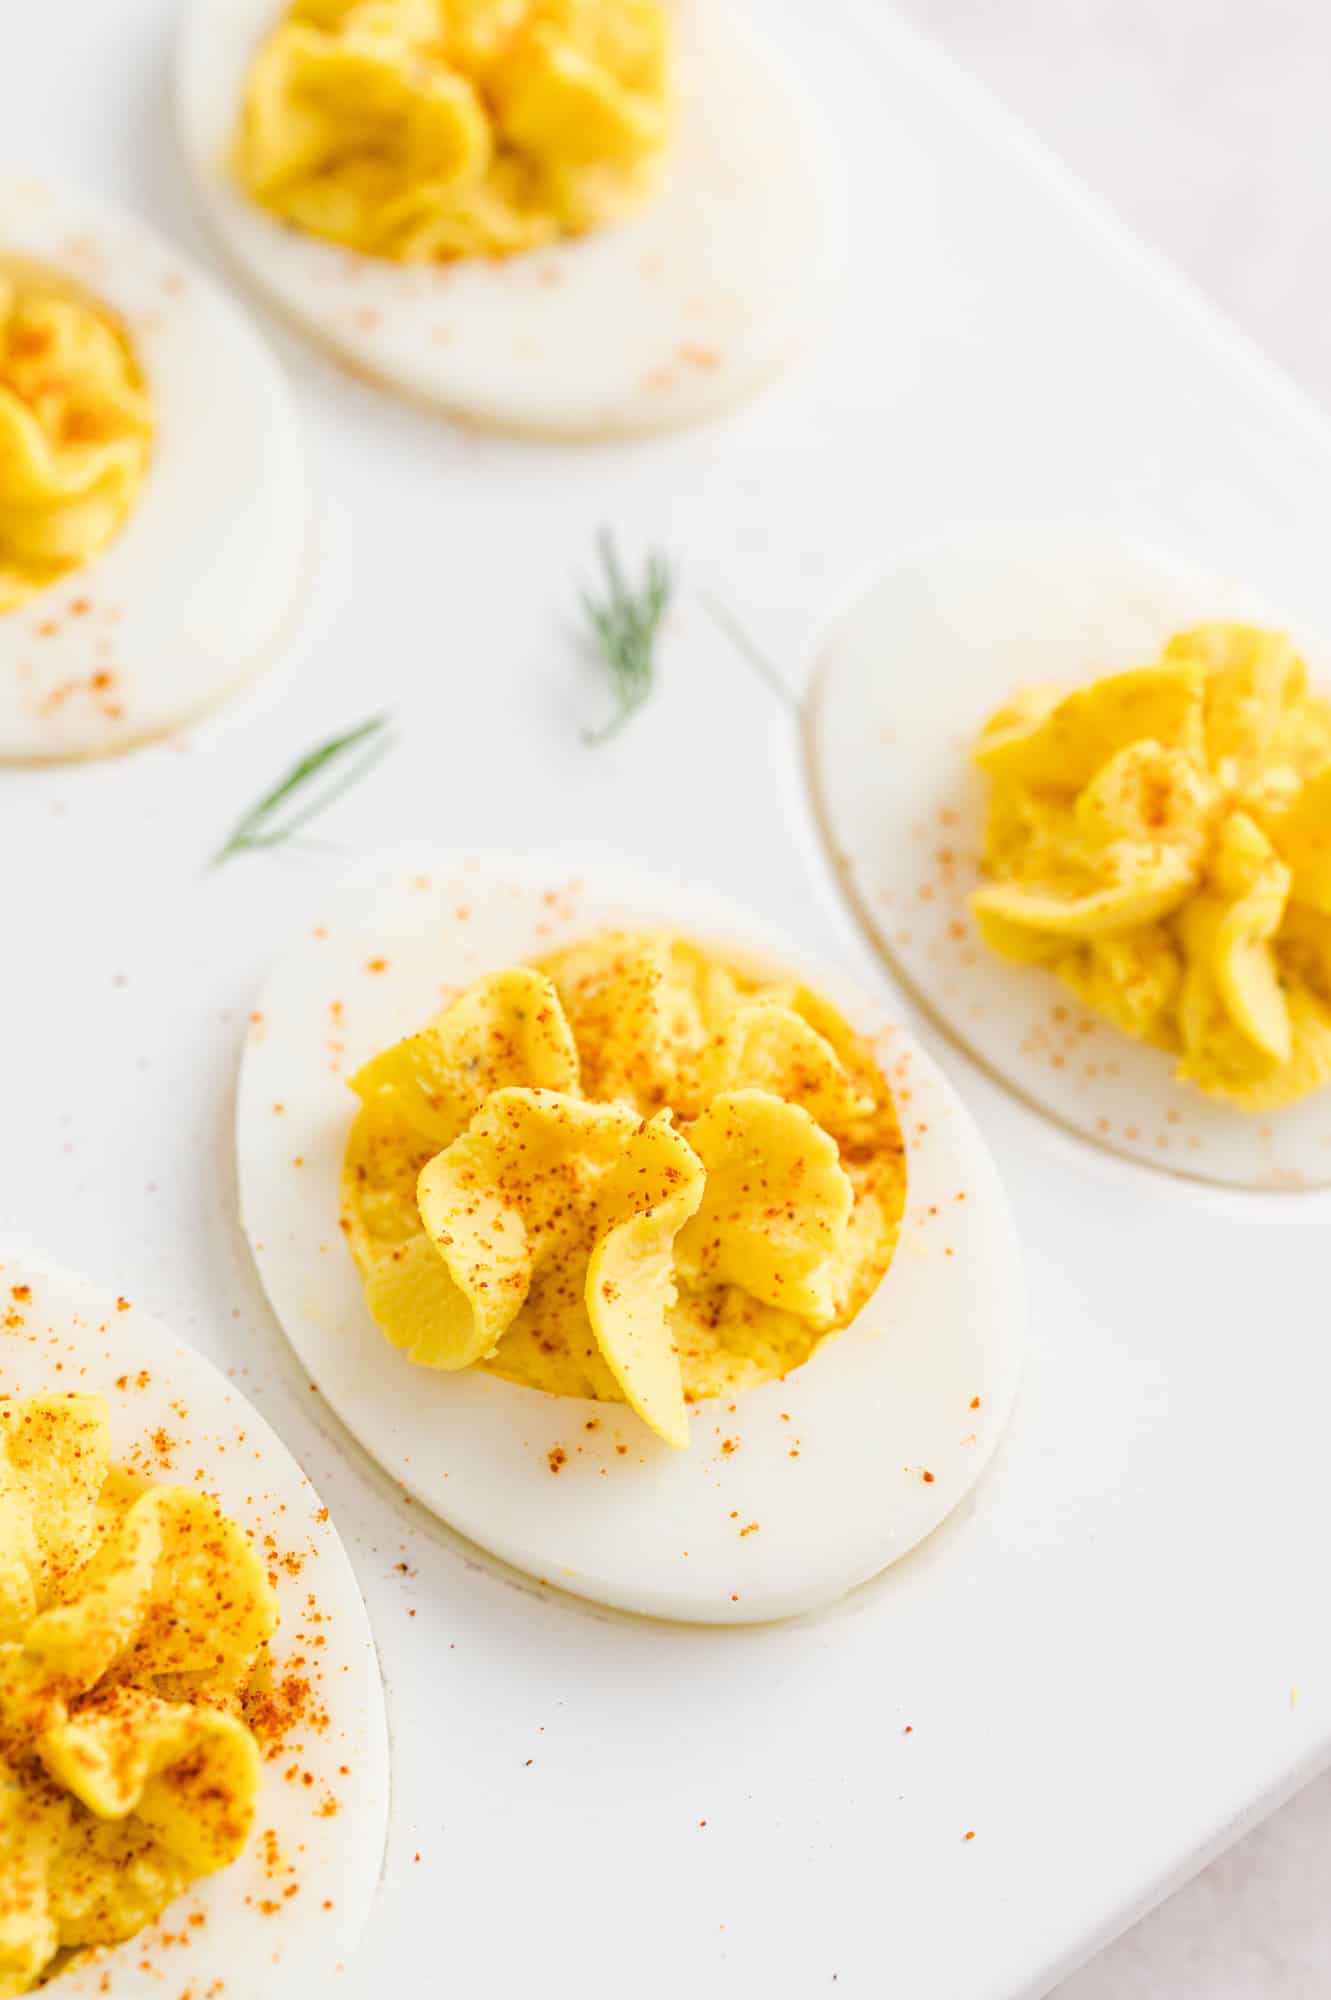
1161	840
75	432
133	1620
632	1172
435	129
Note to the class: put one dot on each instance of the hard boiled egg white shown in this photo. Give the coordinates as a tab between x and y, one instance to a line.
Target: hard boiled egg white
709	291
175	1417
192	595
906	680
830	1474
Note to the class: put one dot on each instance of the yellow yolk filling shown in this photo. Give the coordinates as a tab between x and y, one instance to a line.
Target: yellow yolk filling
133	1621
1161	840
432	129
75	432
632	1172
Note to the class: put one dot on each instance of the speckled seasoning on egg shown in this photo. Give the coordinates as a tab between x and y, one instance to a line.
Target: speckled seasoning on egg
630	1172
1161	841
153	508
193	1755
801	1478
903	808
702	181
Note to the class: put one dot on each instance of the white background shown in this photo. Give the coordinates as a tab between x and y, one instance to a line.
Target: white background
1098	1659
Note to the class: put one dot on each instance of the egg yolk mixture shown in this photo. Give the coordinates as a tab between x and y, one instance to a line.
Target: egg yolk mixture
75	433
1162	841
134	1619
630	1172
435	129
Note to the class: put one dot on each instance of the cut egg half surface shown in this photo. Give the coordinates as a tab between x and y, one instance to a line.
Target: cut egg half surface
789	1494
289	1912
905	681
709	291
196	589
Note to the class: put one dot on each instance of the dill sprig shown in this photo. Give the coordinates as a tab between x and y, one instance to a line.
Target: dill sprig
623	626
265	826
750	652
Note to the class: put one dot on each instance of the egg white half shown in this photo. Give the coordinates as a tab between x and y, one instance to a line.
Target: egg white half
904	684
662	320
627	1520
73	1335
193	593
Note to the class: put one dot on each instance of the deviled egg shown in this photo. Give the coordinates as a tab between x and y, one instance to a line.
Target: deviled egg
193	1765
152	488
561	217
1080	795
651	1261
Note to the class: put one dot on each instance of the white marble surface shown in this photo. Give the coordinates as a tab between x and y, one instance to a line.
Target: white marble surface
1205	125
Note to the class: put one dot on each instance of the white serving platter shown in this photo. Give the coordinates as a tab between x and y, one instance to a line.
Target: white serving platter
1117	1654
